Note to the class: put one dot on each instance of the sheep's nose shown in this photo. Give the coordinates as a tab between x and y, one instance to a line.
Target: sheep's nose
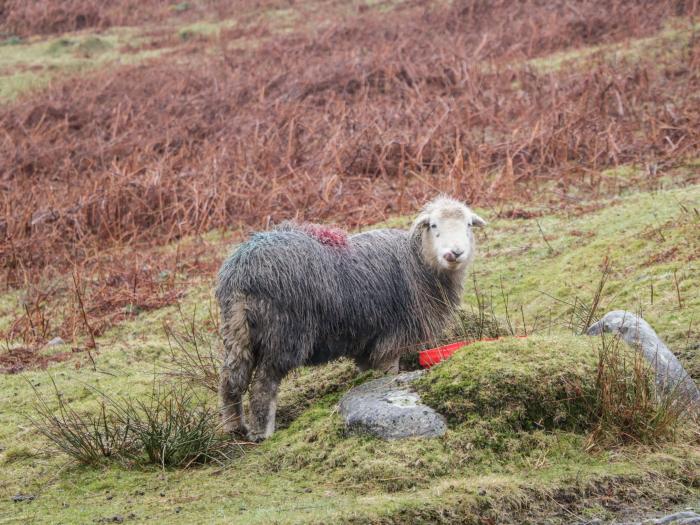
452	255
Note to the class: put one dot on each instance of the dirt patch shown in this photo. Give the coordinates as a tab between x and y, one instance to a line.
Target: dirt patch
518	213
579	233
17	360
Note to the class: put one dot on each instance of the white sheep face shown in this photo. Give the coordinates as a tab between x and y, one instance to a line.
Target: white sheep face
448	240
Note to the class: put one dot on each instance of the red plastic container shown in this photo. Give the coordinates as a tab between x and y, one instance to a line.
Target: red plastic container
428	358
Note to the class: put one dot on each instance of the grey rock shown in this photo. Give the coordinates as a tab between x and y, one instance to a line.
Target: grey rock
676	518
389	408
17	498
687	517
56	341
636	332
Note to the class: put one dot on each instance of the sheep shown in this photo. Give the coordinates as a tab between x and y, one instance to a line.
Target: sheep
305	294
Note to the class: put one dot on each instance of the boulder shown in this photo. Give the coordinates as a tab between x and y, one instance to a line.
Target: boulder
389	408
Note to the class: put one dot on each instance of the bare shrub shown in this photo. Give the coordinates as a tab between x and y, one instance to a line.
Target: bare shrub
195	353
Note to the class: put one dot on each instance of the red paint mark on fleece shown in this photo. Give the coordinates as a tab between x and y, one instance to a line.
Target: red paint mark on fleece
326	235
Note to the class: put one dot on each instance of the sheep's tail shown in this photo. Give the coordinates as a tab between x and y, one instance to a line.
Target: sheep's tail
238	364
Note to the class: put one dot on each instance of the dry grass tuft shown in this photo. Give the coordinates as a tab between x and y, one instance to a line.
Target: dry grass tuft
171	427
629	407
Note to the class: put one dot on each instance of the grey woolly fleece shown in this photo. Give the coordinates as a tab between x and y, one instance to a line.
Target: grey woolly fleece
309	302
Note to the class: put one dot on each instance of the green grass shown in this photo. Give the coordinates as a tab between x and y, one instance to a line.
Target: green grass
27	65
312	472
652	240
670	41
32	64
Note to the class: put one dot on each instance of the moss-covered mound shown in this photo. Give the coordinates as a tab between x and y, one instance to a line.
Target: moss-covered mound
518	384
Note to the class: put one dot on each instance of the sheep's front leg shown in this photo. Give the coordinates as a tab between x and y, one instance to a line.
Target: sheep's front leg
384	358
263	404
362	362
389	366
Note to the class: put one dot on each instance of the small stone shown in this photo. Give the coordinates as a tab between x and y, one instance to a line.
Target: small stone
23	497
56	341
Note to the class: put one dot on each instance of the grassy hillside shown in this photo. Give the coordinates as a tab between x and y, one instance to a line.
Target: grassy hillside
501	462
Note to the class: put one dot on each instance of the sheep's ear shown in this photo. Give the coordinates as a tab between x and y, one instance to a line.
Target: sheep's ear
478	221
421	223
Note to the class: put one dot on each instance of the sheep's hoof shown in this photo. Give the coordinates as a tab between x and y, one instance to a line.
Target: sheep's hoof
256	437
237	433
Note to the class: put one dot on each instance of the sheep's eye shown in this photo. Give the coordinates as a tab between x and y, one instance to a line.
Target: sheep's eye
433	226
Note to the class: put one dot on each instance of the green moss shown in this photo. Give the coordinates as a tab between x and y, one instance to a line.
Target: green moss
517	384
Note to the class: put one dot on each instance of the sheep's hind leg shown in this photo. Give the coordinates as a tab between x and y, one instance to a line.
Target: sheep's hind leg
263	403
363	363
236	371
233	384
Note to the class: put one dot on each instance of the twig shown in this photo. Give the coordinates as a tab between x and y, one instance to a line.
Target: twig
505	304
678	290
93	344
544	238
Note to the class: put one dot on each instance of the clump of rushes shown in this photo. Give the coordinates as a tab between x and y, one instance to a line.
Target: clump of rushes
629	407
170	427
174	428
88	438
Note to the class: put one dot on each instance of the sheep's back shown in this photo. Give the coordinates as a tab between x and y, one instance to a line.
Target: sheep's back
365	285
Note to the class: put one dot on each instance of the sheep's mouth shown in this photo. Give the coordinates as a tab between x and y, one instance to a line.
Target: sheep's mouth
453	265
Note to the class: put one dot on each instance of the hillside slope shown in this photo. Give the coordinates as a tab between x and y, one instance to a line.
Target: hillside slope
484	468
